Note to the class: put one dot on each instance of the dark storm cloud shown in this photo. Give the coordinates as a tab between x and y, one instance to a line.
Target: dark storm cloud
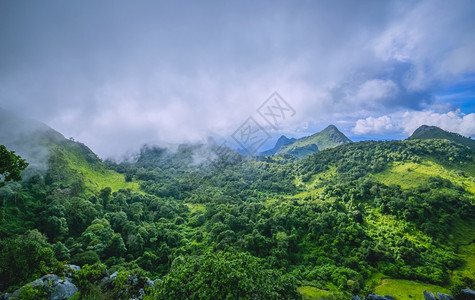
116	74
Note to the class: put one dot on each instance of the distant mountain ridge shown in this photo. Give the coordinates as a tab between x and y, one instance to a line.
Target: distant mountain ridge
282	141
327	138
425	132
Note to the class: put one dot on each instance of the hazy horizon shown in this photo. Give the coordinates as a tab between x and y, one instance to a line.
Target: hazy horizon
116	75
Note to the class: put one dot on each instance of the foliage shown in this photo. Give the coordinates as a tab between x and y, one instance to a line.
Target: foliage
32	293
11	166
240	227
25	258
88	277
224	275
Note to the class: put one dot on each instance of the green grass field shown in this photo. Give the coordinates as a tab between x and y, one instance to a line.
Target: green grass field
406	289
96	175
98	180
409	174
312	293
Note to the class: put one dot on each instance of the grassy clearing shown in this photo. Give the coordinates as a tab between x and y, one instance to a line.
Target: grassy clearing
467	253
196	207
406	289
409	174
463	236
98	180
96	175
316	179
312	293
381	225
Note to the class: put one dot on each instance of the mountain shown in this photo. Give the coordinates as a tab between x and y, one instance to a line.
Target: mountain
374	216
28	137
55	157
432	132
327	138
282	141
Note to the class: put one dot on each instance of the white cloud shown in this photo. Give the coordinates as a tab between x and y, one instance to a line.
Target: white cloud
375	90
407	122
123	74
453	121
424	36
370	125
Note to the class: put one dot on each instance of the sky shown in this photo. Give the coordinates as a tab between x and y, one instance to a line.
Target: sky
117	74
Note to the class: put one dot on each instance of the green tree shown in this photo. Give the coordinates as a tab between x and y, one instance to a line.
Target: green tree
105	194
225	275
116	246
11	166
25	258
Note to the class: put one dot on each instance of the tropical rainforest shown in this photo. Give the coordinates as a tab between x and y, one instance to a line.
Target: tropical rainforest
391	217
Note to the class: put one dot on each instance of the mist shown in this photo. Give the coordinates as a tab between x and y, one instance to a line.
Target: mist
116	75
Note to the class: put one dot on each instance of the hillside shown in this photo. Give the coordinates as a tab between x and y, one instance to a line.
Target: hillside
282	141
328	138
58	159
347	220
433	132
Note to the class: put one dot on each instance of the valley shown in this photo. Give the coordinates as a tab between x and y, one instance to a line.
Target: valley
392	217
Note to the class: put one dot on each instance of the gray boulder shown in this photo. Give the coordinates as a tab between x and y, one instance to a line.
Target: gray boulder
64	290
356	297
468	294
379	297
441	296
429	296
69	270
53	285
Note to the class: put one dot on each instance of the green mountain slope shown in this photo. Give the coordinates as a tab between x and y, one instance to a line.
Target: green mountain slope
419	190
283	140
362	217
433	132
60	159
328	138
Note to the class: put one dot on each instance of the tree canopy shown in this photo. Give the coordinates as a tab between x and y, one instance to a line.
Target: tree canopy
11	166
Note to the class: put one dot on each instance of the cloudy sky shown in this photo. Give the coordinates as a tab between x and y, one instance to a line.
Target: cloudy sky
117	74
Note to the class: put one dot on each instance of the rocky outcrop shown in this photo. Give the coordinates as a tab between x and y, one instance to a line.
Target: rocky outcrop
429	296
441	296
379	297
467	294
51	285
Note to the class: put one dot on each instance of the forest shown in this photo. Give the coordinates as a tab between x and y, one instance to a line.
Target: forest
332	225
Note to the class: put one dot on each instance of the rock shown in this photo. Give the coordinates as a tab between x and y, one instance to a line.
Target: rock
356	297
468	294
69	270
429	296
113	276
134	278
379	297
150	282
74	267
444	296
64	290
53	285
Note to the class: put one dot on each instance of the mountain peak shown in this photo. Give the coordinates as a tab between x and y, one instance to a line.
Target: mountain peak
425	132
426	128
330	127
327	138
283	138
282	141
